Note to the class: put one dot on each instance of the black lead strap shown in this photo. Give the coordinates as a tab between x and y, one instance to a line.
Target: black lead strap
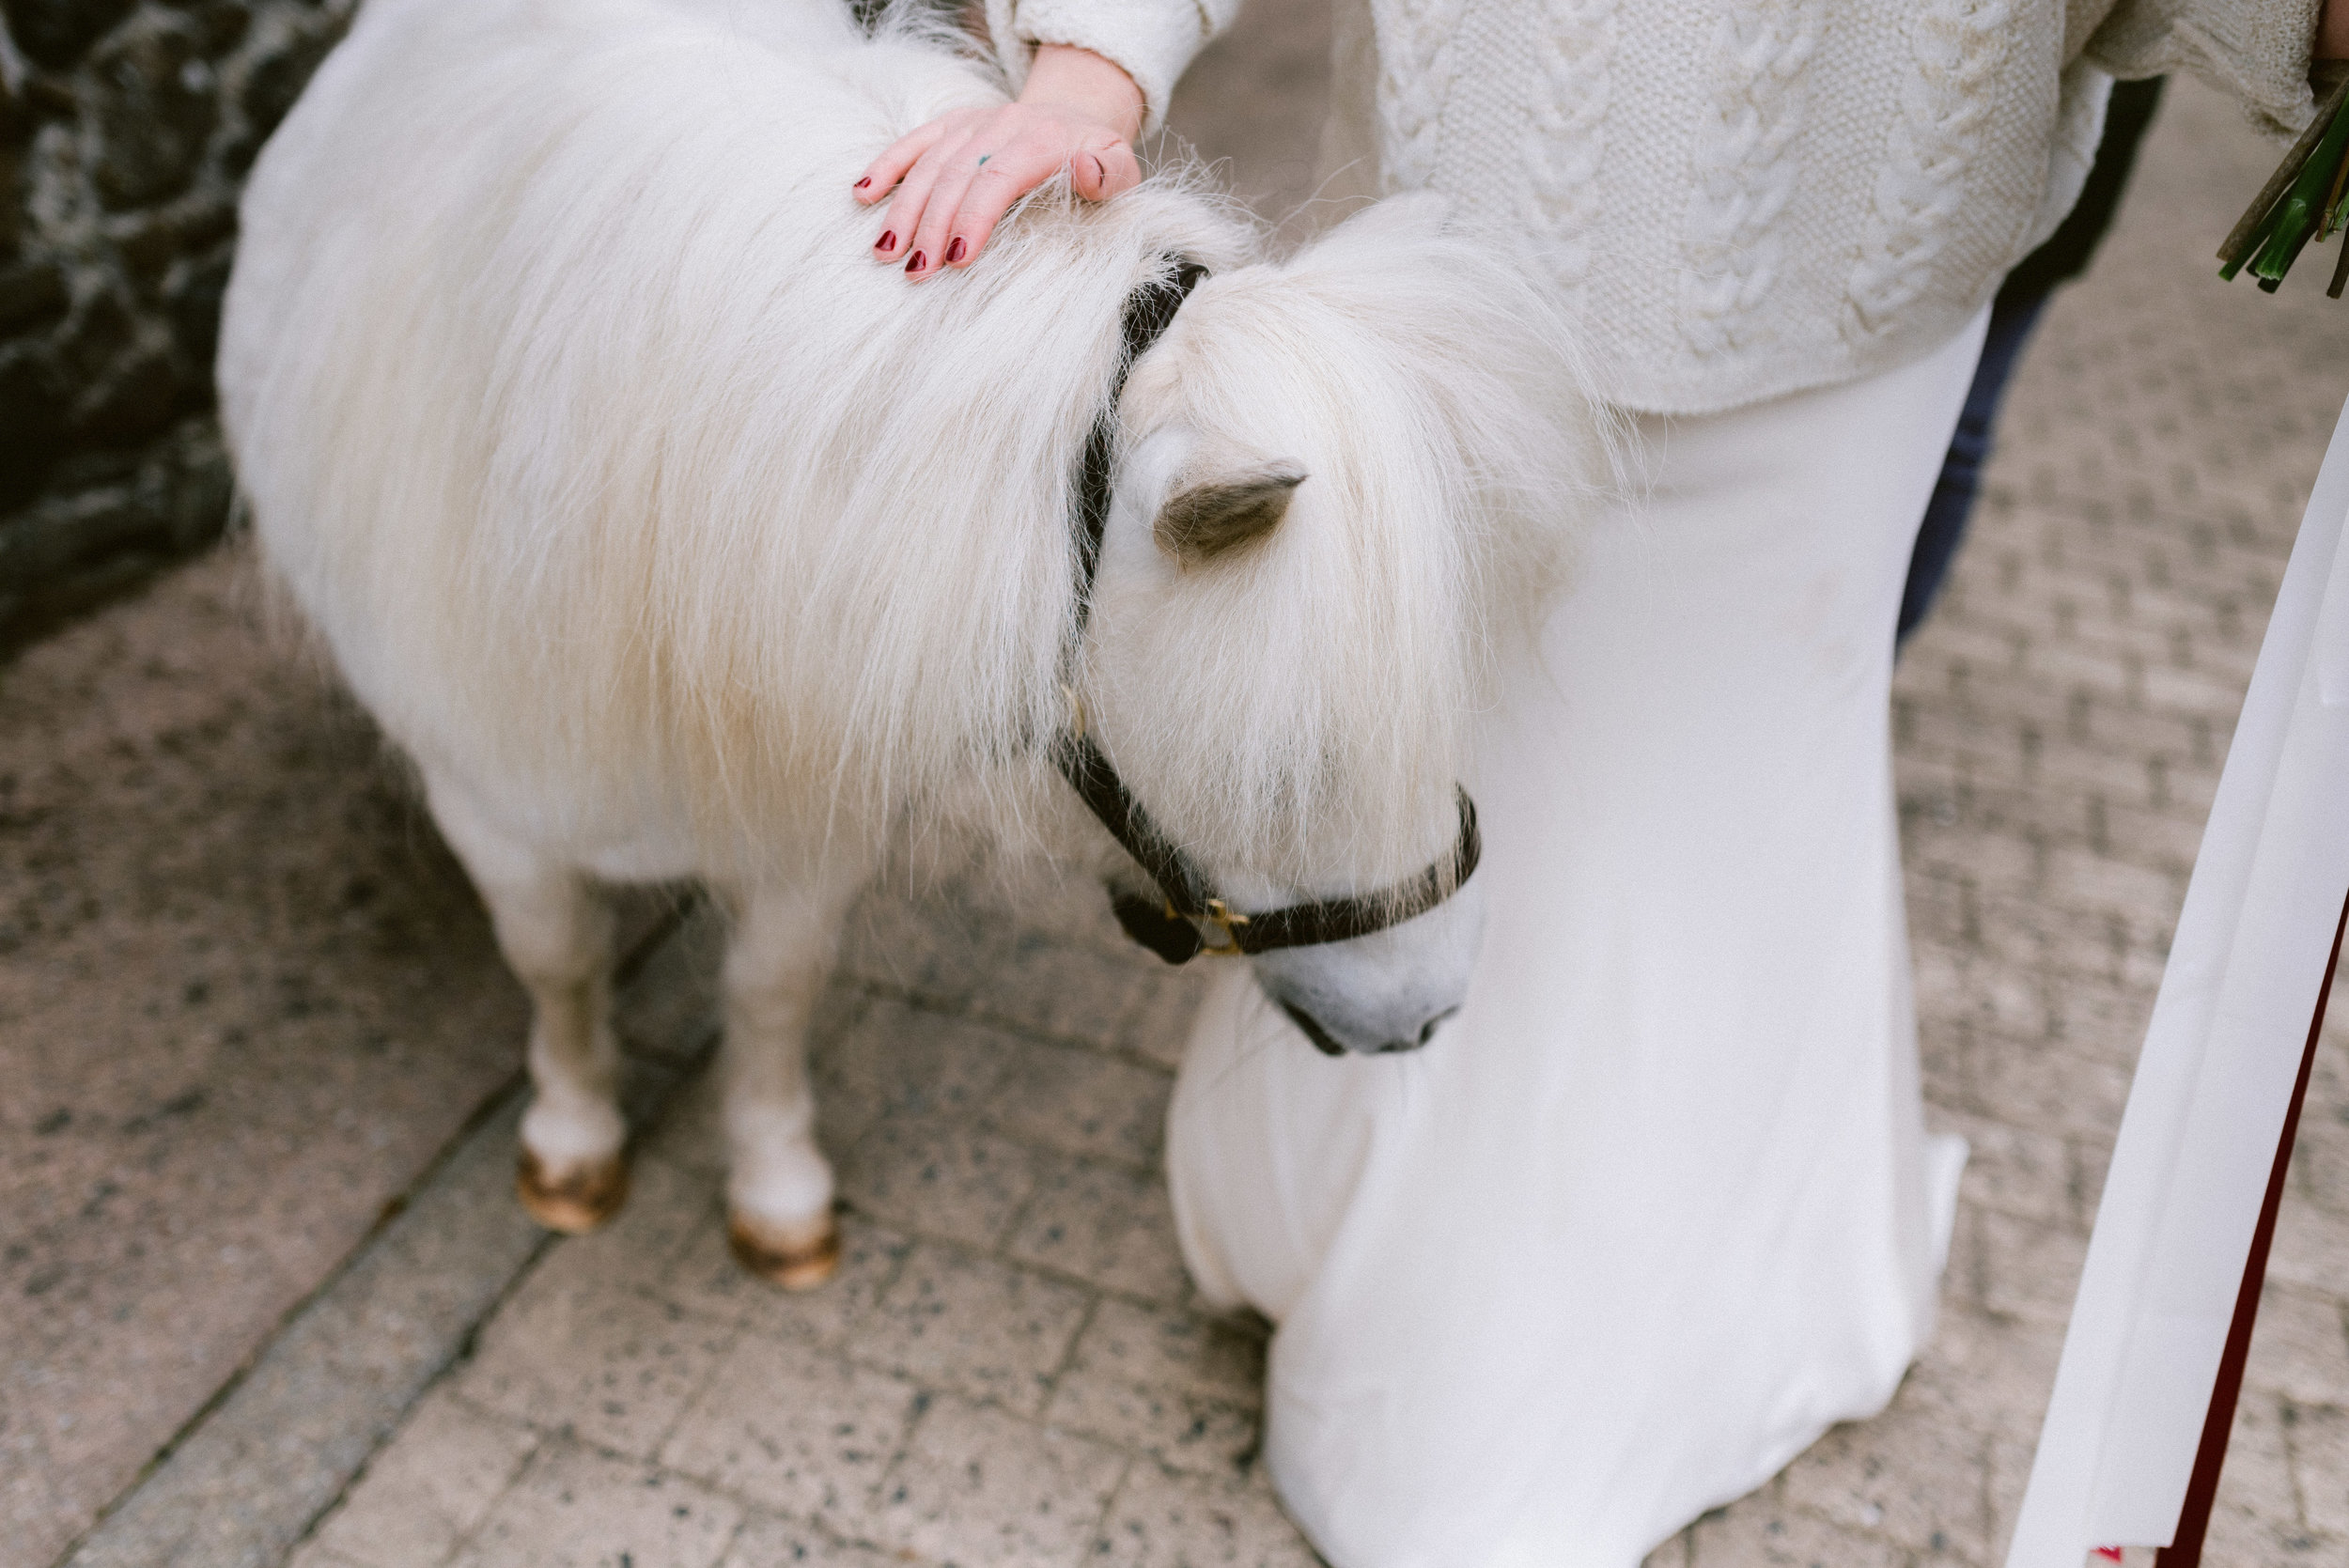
1174	927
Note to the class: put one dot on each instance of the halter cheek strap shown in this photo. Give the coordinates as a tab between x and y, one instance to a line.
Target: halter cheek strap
1178	925
1150	311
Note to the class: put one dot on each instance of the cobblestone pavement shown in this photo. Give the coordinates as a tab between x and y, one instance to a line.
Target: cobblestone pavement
1011	1370
243	1000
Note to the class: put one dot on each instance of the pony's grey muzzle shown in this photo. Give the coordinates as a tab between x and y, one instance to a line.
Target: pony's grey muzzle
1385	992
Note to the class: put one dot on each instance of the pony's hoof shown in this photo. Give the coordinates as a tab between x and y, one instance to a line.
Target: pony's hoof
584	1198
797	1257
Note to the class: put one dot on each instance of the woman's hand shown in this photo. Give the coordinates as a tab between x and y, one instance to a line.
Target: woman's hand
957	176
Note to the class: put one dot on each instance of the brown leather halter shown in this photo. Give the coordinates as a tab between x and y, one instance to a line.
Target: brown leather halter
1178	925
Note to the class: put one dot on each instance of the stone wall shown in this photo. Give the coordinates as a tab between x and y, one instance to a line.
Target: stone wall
126	127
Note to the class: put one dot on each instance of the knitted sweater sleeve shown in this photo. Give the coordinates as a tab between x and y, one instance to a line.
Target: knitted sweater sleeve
2256	50
1150	41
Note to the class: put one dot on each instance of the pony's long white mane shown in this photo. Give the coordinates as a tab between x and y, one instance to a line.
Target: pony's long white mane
573	412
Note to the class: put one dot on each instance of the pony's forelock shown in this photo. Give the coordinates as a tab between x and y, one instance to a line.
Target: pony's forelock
1310	703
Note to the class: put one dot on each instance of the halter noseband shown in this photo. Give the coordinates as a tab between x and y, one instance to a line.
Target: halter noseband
1177	925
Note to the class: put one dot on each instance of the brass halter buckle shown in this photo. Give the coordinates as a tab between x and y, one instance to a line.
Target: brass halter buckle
1221	917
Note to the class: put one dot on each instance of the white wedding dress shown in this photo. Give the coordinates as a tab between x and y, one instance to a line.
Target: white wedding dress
1658	1207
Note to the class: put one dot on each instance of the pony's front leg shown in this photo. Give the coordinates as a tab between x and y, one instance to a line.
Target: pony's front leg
556	934
779	1185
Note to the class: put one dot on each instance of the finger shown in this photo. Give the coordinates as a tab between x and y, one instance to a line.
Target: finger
929	241
1006	176
908	208
1100	173
883	172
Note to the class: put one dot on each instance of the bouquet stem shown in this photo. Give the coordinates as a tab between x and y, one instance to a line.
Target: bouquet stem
2302	200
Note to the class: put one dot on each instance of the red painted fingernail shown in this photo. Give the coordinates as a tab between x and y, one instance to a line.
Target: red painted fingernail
861	184
915	262
888	242
955	250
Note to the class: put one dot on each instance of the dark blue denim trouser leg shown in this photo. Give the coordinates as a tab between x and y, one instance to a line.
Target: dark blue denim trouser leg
1944	525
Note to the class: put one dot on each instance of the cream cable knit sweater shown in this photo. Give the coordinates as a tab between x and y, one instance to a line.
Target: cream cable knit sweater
1742	198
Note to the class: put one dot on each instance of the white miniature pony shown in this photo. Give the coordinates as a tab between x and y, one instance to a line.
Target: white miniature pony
671	536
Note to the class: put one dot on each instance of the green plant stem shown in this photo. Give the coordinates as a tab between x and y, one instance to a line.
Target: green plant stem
2298	215
2244	236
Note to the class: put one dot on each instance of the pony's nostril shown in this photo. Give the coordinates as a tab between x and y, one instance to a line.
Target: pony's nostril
1314	1032
1426	1032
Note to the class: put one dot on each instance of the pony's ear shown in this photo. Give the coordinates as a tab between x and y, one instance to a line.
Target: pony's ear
1212	514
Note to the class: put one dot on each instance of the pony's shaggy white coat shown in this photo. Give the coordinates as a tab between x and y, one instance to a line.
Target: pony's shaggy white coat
674	536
